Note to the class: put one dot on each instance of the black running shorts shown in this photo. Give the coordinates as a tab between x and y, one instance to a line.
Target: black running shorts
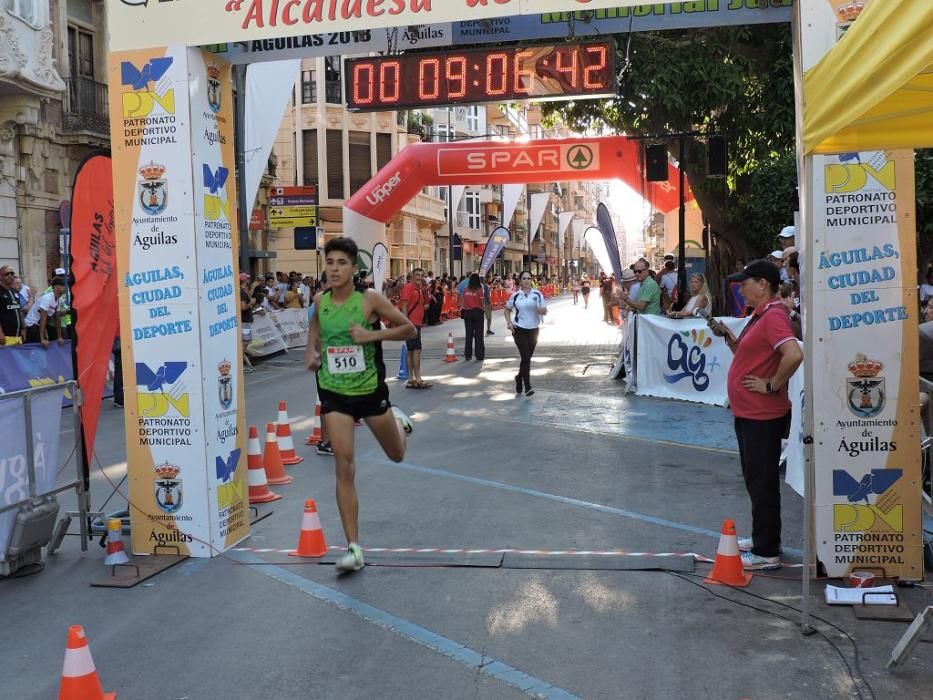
365	406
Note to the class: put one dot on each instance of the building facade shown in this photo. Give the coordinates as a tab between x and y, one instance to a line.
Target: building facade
320	143
53	113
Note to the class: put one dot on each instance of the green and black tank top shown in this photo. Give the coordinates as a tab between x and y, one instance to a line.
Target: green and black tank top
347	368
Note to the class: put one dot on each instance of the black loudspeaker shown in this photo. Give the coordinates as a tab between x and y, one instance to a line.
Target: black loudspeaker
306	238
717	157
656	162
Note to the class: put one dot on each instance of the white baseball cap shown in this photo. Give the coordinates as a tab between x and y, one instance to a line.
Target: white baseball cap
788	232
779	254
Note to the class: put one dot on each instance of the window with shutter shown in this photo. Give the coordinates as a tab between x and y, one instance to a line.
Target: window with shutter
360	159
383	150
335	189
309	156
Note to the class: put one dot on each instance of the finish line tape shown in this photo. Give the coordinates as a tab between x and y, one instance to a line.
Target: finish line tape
544	552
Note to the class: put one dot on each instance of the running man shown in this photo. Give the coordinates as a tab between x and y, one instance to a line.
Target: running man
345	350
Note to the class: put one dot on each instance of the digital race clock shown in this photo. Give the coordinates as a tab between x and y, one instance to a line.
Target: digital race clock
483	75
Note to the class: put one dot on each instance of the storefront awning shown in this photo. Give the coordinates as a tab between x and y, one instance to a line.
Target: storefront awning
874	89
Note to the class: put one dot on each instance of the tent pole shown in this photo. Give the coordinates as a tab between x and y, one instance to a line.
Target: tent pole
245	207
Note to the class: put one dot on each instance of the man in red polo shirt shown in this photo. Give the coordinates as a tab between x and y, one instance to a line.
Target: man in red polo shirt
414	300
766	355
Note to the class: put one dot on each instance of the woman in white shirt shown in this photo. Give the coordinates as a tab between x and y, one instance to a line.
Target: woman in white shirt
528	307
700	297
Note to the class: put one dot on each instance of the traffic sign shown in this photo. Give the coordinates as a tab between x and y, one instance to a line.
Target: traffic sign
286	217
293	201
305	191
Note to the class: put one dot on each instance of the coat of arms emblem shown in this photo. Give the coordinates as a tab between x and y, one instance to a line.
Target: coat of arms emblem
225	384
865	391
213	87
153	189
168	488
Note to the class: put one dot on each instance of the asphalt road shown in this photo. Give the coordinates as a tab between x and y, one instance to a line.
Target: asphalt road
579	466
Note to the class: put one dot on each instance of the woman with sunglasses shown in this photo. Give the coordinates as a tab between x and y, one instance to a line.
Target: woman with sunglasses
529	307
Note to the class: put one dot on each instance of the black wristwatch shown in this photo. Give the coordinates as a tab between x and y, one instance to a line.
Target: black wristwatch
769	388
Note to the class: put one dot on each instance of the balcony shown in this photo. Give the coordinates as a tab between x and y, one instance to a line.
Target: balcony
86	106
27	63
430	209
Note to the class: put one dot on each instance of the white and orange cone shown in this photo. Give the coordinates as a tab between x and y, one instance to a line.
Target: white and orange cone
79	676
315	437
115	552
258	486
451	355
311	540
727	569
283	434
272	459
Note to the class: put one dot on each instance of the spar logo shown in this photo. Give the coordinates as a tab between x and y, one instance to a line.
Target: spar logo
850	174
580	157
688	359
216	205
871	503
380	194
143	88
165	392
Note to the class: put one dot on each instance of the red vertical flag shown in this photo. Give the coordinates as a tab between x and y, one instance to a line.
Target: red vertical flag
94	265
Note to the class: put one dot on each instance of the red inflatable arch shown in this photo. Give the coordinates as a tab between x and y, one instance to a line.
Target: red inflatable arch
494	163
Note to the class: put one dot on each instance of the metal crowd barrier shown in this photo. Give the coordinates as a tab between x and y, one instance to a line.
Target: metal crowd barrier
78	484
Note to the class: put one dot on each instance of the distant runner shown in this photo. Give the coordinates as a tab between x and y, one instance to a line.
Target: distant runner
345	349
529	308
585	288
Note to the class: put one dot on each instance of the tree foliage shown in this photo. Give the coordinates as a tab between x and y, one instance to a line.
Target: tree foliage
735	81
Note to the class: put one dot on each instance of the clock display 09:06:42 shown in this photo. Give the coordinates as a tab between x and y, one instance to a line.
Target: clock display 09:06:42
483	75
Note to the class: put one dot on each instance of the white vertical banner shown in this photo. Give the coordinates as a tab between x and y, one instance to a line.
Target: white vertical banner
538	206
268	88
510	196
579	226
175	212
594	239
795	474
216	244
456	195
863	306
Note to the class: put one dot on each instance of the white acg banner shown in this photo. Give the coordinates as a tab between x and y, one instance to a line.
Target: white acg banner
682	359
276	331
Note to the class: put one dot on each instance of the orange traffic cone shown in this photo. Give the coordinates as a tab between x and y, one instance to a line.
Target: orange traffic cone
272	459
451	355
727	568
311	540
258	486
283	434
115	552
315	436
79	676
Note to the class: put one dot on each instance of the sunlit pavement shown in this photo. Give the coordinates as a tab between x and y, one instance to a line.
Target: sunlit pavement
578	466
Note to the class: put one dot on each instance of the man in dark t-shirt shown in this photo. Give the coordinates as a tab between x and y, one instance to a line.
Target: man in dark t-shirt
11	319
246	319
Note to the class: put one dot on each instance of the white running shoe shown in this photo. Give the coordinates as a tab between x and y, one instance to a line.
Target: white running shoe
752	562
405	420
352	560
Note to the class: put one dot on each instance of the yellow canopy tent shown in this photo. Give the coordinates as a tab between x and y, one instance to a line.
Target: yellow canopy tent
874	89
